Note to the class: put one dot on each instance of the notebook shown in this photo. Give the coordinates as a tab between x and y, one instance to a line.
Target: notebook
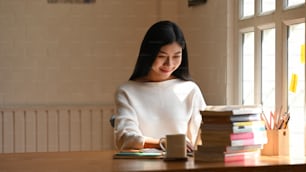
139	154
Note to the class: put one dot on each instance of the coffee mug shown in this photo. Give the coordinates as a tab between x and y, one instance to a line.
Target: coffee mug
175	146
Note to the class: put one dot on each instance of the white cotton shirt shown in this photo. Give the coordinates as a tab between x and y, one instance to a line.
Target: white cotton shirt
155	109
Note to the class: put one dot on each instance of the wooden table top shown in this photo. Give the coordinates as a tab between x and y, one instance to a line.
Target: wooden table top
103	162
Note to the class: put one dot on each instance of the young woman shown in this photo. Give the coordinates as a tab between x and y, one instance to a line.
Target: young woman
160	98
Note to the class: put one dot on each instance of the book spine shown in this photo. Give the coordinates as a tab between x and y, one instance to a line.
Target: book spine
241	129
248	142
243	118
248	135
248	123
241	156
239	136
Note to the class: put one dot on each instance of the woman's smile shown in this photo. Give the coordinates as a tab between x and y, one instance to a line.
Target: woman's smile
167	61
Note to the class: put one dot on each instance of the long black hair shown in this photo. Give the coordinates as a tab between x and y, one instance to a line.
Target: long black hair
158	35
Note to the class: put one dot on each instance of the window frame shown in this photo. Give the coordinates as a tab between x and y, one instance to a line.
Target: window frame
280	19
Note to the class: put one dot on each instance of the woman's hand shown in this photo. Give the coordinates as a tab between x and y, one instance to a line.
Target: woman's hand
155	143
190	147
151	143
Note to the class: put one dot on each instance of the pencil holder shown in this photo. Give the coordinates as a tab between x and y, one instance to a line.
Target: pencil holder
278	143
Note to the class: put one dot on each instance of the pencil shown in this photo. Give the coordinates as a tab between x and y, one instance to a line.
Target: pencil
264	118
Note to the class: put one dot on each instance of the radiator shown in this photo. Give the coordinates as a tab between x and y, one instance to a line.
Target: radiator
56	129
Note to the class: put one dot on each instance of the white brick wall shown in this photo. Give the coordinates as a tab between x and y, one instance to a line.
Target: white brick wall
78	53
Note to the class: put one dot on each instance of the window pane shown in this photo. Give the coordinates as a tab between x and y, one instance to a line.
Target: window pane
291	3
247	8
248	68
268	70
267	5
296	90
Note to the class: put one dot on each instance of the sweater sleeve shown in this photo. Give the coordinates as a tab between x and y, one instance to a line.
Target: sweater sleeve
198	104
127	133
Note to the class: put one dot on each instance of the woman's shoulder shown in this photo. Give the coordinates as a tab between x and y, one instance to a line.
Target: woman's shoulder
190	85
127	84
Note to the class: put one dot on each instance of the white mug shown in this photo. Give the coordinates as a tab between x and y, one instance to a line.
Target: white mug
175	146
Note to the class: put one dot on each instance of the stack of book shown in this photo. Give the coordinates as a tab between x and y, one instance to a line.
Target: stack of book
231	133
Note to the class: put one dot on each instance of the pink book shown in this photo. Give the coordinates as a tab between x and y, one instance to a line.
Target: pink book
241	156
248	135
252	141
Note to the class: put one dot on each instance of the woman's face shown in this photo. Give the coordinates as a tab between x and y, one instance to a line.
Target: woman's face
167	61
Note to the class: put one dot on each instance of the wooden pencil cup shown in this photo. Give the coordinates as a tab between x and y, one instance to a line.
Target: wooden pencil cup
278	143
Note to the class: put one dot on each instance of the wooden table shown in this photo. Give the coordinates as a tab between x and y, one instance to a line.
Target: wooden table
103	162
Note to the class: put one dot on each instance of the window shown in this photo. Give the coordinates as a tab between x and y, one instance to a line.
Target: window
247	8
248	68
271	61
292	3
267	6
268	69
296	84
